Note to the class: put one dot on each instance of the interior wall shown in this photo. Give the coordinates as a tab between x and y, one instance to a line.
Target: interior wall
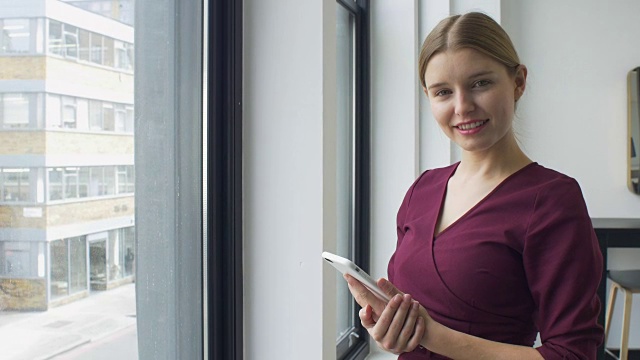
574	112
289	116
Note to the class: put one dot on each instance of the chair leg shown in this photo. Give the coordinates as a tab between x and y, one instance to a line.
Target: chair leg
626	319
607	321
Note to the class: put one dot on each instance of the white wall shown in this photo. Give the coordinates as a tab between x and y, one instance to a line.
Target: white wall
289	173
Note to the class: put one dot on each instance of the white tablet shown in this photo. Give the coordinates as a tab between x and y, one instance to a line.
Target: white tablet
347	266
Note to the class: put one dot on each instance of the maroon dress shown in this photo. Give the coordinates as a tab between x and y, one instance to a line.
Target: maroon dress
524	259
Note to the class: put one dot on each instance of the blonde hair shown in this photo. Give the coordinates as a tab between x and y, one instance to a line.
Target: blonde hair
472	30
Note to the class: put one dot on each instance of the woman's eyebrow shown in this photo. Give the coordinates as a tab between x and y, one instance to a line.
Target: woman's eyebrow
481	73
472	76
436	85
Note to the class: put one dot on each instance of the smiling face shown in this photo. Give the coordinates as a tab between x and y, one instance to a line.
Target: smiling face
473	98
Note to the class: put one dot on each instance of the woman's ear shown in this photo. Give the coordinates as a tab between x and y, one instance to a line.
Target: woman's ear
520	81
425	91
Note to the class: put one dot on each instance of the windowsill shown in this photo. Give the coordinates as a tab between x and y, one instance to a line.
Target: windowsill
381	355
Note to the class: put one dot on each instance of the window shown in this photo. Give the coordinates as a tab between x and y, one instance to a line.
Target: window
16	36
15	110
97	49
353	166
15	185
84	45
70	41
80	238
69	112
56	41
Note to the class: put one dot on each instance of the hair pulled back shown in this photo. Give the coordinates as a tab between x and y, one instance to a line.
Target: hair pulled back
472	30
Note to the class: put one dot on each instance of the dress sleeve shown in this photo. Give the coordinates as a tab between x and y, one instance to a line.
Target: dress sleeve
563	264
400	221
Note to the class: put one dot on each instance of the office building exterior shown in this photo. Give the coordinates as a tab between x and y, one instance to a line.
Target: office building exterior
66	150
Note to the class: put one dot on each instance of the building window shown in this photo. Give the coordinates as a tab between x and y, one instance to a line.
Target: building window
56	41
21	259
70	181
15	112
84	45
15	185
97	49
16	36
125	179
77	264
88	182
69	113
59	254
70	41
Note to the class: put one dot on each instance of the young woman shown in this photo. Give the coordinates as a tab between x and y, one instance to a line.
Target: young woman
495	248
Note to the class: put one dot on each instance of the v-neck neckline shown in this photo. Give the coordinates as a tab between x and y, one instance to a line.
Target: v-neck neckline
443	193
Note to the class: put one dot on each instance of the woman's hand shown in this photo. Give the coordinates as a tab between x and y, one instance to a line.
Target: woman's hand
397	326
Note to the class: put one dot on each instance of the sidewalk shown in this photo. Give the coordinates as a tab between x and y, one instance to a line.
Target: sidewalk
43	335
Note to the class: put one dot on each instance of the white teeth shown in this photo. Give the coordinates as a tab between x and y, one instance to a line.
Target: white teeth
471	125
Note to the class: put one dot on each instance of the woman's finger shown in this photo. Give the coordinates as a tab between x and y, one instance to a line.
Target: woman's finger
392	315
363	295
416	337
366	317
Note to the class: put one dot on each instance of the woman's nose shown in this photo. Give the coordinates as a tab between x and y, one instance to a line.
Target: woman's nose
463	103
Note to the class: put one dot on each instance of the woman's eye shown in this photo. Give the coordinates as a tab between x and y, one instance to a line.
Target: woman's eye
481	83
442	92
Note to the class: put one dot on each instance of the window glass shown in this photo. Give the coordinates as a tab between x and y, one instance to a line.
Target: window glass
70	41
69	112
59	285
345	155
97	49
77	264
109	52
54	181
16	36
95	115
55	37
84	45
108	117
116	263
15	185
15	259
15	110
98	261
70	182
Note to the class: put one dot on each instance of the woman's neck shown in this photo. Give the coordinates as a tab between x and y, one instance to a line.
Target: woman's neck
502	160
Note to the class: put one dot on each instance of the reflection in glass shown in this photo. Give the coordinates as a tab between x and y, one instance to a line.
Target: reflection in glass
345	163
633	131
66	170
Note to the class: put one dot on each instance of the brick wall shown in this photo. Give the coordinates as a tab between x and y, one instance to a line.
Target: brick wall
23	294
52	142
70	213
23	67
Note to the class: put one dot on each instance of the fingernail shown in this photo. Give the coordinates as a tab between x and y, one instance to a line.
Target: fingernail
414	306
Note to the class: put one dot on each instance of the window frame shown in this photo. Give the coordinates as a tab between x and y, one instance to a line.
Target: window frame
358	338
223	49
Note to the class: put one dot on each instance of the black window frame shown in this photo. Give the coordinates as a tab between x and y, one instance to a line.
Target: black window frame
224	188
358	339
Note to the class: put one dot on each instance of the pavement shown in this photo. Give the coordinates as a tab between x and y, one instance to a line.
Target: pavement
45	335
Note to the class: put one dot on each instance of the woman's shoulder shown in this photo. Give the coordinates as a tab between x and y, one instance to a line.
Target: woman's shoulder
547	177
